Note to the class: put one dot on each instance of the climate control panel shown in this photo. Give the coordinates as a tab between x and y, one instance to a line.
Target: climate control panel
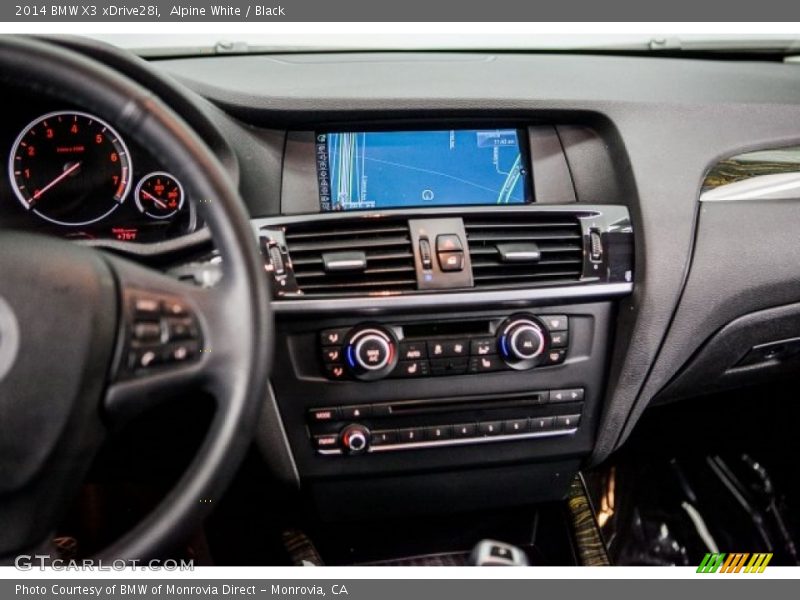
372	351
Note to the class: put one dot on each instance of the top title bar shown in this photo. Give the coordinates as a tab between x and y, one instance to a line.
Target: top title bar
409	11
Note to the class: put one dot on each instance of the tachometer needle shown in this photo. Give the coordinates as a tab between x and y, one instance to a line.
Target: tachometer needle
158	202
55	181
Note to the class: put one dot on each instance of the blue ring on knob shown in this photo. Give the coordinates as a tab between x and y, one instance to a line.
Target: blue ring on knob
503	346
350	360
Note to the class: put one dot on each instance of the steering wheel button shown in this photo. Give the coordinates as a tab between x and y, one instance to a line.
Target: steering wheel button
146	308
181	329
144	358
147	331
174	308
181	352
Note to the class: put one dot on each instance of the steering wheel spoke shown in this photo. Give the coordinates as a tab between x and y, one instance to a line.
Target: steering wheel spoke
167	336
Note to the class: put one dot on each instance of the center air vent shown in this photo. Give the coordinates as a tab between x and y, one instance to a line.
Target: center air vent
524	250
353	258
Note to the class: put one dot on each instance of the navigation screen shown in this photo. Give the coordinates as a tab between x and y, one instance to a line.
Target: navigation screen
397	169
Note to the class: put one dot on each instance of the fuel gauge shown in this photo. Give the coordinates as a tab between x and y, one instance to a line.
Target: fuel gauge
159	195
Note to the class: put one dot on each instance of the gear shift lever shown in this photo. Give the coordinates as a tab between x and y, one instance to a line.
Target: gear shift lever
491	553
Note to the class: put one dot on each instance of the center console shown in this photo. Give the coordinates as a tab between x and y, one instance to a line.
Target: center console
433	356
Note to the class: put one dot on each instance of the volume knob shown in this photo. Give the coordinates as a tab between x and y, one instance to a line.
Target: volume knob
355	439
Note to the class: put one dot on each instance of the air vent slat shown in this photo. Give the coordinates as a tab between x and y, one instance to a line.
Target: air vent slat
558	238
387	246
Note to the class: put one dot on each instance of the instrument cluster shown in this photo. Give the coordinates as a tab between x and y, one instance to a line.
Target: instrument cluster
72	174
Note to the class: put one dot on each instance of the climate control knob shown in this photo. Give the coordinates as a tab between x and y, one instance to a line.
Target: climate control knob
355	439
522	340
371	352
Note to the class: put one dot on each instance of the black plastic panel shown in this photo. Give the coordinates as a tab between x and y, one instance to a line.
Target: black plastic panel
299	385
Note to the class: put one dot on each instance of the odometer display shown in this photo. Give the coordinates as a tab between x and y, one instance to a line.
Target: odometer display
70	168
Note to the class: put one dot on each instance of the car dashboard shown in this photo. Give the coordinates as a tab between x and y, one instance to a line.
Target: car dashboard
484	267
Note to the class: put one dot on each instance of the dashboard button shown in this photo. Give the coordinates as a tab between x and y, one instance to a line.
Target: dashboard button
449	242
412	368
541	423
413	350
333	337
559	339
464	430
332	354
567	421
335	371
323	415
329	441
555	322
451	261
512	426
449	366
570	395
438	432
410	435
485	364
555	356
490	428
425	254
483	346
383	437
455	348
355	412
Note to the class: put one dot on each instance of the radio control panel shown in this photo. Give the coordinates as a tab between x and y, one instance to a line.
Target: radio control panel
372	351
409	425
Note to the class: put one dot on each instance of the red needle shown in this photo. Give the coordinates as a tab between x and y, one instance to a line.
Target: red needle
66	173
158	202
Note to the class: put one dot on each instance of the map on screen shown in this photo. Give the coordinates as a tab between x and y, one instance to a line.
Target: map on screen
368	170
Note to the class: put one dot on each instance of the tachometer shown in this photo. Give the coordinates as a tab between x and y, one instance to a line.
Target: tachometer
70	168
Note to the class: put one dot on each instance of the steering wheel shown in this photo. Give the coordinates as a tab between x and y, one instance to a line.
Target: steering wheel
68	314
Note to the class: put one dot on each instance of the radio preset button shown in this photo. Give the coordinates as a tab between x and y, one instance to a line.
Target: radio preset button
513	426
464	430
384	437
567	421
490	428
541	423
438	432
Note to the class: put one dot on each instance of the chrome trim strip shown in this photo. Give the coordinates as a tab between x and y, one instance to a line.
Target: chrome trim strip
473	440
443	300
775	186
329	452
